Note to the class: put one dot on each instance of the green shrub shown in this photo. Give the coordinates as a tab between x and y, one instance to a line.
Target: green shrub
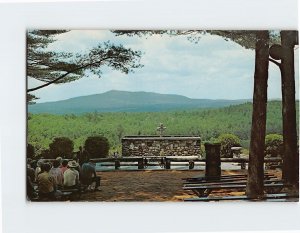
227	141
97	146
45	153
61	147
274	145
30	151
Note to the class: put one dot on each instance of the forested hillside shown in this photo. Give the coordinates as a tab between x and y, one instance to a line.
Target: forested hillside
208	123
125	101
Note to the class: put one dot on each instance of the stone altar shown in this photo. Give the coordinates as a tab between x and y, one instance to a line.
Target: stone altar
161	146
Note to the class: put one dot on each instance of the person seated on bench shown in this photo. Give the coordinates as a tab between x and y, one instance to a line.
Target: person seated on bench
59	159
38	168
57	173
31	193
71	176
82	155
64	166
30	171
46	183
88	174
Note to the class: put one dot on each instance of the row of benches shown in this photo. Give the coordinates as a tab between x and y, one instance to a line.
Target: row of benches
266	197
204	186
65	195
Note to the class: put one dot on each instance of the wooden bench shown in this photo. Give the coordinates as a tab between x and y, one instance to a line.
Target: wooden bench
75	192
266	197
205	190
222	180
65	195
222	176
227	182
204	179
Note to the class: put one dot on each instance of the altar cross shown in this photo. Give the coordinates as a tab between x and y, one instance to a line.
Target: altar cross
161	128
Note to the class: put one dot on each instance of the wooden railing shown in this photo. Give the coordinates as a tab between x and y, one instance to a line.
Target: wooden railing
168	161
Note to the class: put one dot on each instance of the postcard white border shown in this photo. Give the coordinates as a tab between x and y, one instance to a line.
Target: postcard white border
20	216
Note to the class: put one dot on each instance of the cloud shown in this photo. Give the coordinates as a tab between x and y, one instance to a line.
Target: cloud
213	68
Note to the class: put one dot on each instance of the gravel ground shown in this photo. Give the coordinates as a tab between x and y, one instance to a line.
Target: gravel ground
155	185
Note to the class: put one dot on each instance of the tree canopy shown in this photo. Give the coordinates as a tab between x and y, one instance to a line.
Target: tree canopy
61	146
52	67
30	150
97	146
274	145
227	141
245	38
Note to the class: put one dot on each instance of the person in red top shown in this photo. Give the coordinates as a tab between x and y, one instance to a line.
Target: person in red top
64	166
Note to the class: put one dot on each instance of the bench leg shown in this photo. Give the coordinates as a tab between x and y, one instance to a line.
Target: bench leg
273	190
202	192
243	166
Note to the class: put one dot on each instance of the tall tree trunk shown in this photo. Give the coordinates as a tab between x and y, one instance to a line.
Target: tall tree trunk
290	156
255	182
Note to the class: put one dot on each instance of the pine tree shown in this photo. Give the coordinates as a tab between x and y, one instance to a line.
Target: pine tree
52	67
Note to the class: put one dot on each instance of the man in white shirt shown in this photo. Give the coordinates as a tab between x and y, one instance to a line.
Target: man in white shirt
71	175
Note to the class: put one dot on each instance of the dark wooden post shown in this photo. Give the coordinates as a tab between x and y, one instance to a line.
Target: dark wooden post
141	163
213	160
117	164
168	163
243	165
255	182
191	164
145	161
290	167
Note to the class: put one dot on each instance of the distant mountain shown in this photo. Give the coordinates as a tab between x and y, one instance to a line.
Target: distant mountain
123	101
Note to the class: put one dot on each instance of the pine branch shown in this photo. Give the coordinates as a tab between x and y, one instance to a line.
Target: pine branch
275	62
69	72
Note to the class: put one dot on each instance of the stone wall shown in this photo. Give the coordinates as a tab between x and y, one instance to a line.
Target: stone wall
161	146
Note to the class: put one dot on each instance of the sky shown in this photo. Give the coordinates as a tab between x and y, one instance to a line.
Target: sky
211	69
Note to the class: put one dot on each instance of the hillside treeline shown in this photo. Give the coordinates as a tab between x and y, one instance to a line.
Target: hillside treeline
208	123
